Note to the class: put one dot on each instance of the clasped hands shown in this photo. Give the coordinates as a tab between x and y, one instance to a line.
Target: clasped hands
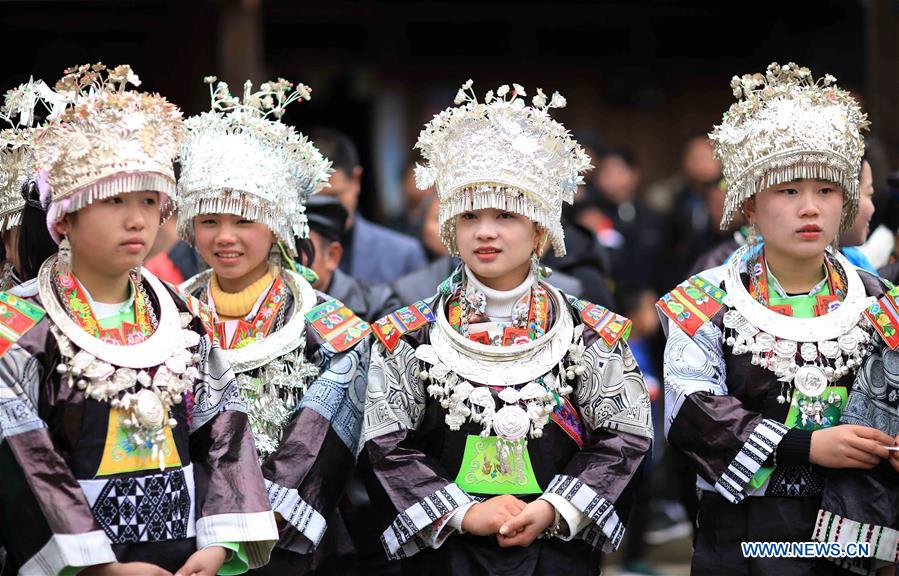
514	522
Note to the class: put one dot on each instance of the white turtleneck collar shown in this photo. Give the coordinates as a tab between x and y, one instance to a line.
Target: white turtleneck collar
500	303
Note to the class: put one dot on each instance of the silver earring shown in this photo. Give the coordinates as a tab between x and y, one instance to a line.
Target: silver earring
535	265
753	237
64	257
7	280
274	259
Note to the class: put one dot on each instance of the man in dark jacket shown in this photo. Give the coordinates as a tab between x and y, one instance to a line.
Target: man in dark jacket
327	218
371	252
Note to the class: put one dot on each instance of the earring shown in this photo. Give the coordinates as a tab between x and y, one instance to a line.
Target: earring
138	275
7	279
64	257
753	237
274	260
535	265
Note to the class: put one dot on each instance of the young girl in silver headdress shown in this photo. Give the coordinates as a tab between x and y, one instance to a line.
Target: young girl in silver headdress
301	356
505	420
125	449
761	351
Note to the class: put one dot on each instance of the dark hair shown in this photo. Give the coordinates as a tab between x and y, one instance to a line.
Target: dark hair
336	147
35	243
305	251
626	156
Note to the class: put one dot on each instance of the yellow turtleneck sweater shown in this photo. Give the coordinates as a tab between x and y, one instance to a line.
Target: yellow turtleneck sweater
236	305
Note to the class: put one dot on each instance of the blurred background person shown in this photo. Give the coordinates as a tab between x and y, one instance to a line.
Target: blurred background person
371	252
415	204
690	228
327	222
172	259
627	227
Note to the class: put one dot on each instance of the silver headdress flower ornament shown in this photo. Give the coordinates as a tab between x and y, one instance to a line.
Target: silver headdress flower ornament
107	141
501	154
240	159
786	126
17	165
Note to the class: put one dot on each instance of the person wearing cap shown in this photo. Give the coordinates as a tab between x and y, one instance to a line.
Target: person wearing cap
327	223
505	420
124	440
301	357
762	350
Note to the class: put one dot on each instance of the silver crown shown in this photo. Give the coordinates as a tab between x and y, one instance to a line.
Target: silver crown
107	140
240	159
17	163
786	126
501	154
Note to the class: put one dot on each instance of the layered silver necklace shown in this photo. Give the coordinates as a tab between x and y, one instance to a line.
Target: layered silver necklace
282	372
144	380
806	354
526	372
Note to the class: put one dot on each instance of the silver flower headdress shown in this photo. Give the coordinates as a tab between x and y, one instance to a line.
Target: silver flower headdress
240	159
785	126
17	164
501	154
107	140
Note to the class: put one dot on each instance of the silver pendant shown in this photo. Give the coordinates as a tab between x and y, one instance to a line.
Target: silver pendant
810	380
511	423
149	410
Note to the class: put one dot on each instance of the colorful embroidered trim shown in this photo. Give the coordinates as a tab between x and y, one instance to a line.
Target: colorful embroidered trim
17	316
885	318
80	310
610	326
337	324
567	419
390	328
199	310
692	303
759	289
261	325
532	309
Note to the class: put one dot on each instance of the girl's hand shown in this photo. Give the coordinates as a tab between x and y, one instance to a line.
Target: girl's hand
485	518
124	569
894	455
205	562
528	525
849	446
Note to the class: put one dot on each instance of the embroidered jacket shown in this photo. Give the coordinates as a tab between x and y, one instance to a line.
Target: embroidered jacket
77	491
730	416
586	454
303	362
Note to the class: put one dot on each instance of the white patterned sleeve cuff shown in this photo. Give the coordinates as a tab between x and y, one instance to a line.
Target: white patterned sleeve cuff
574	518
604	529
70	551
416	528
758	447
256	531
307	525
455	521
